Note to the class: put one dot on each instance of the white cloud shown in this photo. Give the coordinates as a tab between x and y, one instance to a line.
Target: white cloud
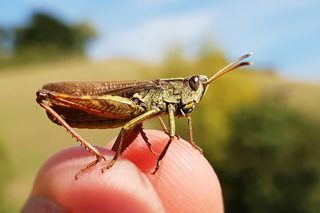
150	39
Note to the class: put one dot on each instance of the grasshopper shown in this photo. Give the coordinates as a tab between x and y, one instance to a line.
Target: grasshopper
126	104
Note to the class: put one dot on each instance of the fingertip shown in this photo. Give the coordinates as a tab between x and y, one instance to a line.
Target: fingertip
185	181
114	190
42	204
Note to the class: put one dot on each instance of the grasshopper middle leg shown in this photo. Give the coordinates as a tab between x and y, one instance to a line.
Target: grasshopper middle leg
124	130
172	129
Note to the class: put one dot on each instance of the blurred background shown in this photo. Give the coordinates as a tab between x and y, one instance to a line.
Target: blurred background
258	126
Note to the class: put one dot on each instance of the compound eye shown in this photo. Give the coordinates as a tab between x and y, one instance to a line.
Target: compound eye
194	82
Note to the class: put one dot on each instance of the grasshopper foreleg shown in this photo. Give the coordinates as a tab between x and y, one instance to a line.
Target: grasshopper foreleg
191	137
125	129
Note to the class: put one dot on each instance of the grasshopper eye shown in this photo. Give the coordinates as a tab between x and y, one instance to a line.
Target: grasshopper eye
194	82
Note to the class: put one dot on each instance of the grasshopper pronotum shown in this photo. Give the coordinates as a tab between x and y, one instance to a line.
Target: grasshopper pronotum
126	104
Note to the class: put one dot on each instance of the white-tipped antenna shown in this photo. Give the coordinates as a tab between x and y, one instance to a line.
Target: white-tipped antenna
230	67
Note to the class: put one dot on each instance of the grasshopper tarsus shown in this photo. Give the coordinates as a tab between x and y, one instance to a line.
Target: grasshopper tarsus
199	149
152	151
103	170
195	146
89	165
126	104
156	169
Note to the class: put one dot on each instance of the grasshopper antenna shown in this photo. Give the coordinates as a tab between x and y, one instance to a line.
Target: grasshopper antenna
230	67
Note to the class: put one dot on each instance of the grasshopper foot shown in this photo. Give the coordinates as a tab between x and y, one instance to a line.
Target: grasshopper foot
196	147
157	168
150	149
89	165
108	166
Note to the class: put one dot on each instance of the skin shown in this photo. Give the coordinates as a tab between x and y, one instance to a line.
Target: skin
185	181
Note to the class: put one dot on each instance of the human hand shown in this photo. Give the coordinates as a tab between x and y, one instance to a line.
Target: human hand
185	181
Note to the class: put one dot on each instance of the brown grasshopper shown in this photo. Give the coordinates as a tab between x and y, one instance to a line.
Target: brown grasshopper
126	104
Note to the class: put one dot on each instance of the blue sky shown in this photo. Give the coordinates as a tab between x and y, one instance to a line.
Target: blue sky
284	35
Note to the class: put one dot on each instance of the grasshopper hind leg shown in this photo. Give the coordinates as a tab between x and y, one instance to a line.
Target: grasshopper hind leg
87	145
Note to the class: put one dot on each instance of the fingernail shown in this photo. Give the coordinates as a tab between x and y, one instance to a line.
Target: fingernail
42	204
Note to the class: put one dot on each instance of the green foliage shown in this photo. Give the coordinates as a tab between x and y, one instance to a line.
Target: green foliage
5	173
175	64
45	31
45	38
272	162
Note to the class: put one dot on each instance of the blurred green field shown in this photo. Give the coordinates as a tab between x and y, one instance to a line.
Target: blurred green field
30	138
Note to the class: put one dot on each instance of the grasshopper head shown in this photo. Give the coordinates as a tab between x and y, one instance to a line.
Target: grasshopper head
194	87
